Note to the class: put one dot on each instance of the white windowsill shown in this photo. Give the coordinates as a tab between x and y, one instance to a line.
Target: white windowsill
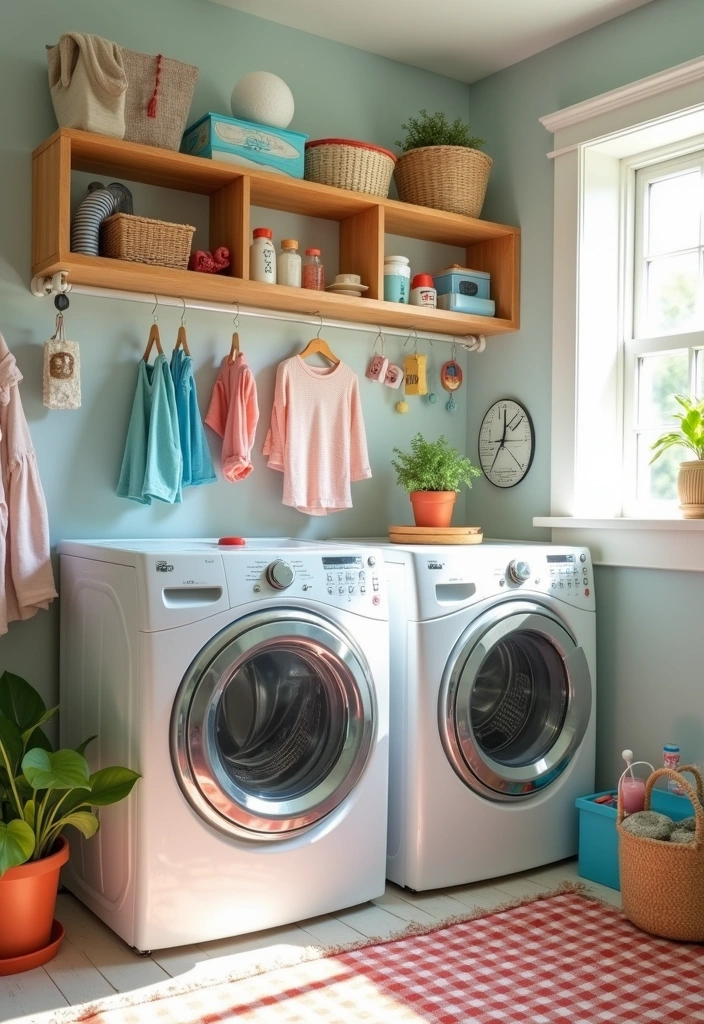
667	543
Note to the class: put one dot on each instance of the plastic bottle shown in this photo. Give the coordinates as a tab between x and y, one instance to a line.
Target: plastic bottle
313	271
422	292
288	265
262	257
671	759
397	278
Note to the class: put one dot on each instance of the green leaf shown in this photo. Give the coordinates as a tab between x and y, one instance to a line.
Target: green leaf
109	785
20	702
81	748
65	769
29	813
10	745
86	823
40	741
29	733
16	844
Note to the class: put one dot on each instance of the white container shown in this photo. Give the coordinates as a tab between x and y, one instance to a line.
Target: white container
423	293
288	265
262	257
397	278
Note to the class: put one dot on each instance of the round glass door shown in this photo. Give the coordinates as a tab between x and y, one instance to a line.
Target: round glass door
273	725
515	702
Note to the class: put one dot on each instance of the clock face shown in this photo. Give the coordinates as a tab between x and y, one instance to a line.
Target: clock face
506	443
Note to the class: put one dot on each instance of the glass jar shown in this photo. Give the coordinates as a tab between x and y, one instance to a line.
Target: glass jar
313	271
288	265
262	257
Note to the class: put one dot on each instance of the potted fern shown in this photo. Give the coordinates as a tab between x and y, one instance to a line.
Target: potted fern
690	434
42	792
432	473
442	165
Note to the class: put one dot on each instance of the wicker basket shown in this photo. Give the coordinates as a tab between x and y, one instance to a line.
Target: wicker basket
662	883
346	163
451	178
143	240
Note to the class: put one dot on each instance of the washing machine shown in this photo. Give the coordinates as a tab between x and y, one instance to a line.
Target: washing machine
492	735
249	687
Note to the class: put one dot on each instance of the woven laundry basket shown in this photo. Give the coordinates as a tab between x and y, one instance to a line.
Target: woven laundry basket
143	240
452	178
662	883
346	163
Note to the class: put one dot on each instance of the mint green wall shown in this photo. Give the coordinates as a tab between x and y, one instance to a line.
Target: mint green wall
646	621
338	91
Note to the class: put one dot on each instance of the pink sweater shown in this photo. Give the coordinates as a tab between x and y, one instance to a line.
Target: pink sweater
234	414
26	577
317	438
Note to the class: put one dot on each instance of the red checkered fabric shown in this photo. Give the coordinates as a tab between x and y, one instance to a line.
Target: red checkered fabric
558	960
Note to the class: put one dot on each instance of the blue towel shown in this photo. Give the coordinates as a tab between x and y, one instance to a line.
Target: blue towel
197	464
152	464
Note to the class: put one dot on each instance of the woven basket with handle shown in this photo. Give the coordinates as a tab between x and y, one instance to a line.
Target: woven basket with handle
143	240
662	883
452	178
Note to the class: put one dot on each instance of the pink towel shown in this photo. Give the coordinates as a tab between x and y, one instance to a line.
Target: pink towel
233	414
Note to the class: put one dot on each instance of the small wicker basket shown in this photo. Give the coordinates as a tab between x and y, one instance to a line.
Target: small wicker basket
662	883
346	163
451	178
143	240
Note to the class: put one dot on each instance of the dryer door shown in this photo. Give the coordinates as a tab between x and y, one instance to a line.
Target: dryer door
273	724
515	701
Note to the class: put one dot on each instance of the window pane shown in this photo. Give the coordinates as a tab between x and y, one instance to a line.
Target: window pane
672	293
659	379
659	481
699	387
673	213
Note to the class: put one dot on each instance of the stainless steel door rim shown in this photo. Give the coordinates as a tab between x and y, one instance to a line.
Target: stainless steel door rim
533	628
318	724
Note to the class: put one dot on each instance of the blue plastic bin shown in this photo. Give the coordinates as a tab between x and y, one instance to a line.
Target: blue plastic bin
598	836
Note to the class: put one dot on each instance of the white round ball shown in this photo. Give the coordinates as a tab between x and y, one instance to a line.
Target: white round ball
263	98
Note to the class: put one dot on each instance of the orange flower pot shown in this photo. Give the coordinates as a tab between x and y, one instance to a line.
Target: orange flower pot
27	900
433	508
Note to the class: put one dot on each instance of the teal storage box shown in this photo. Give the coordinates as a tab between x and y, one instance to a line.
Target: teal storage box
598	836
458	281
466	304
251	145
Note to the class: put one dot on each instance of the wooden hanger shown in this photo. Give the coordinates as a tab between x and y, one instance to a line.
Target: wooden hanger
234	348
318	344
181	339
153	339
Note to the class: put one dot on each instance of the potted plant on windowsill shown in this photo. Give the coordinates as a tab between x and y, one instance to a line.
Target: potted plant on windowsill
432	473
442	165
42	792
690	434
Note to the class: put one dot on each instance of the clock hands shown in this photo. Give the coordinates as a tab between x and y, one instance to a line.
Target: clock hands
501	444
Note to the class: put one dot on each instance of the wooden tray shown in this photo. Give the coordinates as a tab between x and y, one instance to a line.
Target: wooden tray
435	534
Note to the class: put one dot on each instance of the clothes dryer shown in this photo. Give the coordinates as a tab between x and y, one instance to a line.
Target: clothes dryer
249	687
492	728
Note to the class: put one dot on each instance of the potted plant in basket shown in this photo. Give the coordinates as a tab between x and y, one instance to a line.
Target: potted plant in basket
42	792
442	165
432	473
690	434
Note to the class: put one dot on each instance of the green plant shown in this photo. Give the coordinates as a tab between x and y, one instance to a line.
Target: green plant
690	433
42	791
432	466
436	130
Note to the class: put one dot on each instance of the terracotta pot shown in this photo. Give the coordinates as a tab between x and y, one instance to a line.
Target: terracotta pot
690	488
433	508
28	899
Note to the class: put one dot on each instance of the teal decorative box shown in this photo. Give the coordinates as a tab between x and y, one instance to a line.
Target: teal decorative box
241	142
458	281
459	303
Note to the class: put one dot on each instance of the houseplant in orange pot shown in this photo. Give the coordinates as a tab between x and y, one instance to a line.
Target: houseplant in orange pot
689	435
432	473
42	792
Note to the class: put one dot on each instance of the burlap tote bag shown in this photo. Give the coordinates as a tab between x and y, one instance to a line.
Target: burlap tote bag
158	100
88	84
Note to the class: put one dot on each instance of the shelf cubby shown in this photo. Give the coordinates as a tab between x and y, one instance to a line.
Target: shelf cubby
232	191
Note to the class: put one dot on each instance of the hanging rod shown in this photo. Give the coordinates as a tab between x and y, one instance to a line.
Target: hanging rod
50	286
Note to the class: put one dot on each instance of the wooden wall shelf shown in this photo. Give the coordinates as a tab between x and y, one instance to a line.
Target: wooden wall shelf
232	191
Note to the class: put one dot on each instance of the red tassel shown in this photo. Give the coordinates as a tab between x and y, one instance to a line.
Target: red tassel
152	105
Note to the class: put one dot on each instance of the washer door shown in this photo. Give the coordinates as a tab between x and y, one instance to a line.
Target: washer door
515	701
273	724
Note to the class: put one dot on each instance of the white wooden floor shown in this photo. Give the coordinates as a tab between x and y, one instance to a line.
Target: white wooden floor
93	962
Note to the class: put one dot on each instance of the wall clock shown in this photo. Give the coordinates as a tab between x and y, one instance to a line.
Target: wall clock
506	443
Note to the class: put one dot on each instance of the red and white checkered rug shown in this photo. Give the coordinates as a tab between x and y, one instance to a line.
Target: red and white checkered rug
564	959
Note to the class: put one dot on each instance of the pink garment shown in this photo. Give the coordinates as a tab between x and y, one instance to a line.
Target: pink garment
26	577
317	437
233	414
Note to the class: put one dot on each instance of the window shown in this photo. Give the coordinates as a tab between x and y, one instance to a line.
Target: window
664	333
